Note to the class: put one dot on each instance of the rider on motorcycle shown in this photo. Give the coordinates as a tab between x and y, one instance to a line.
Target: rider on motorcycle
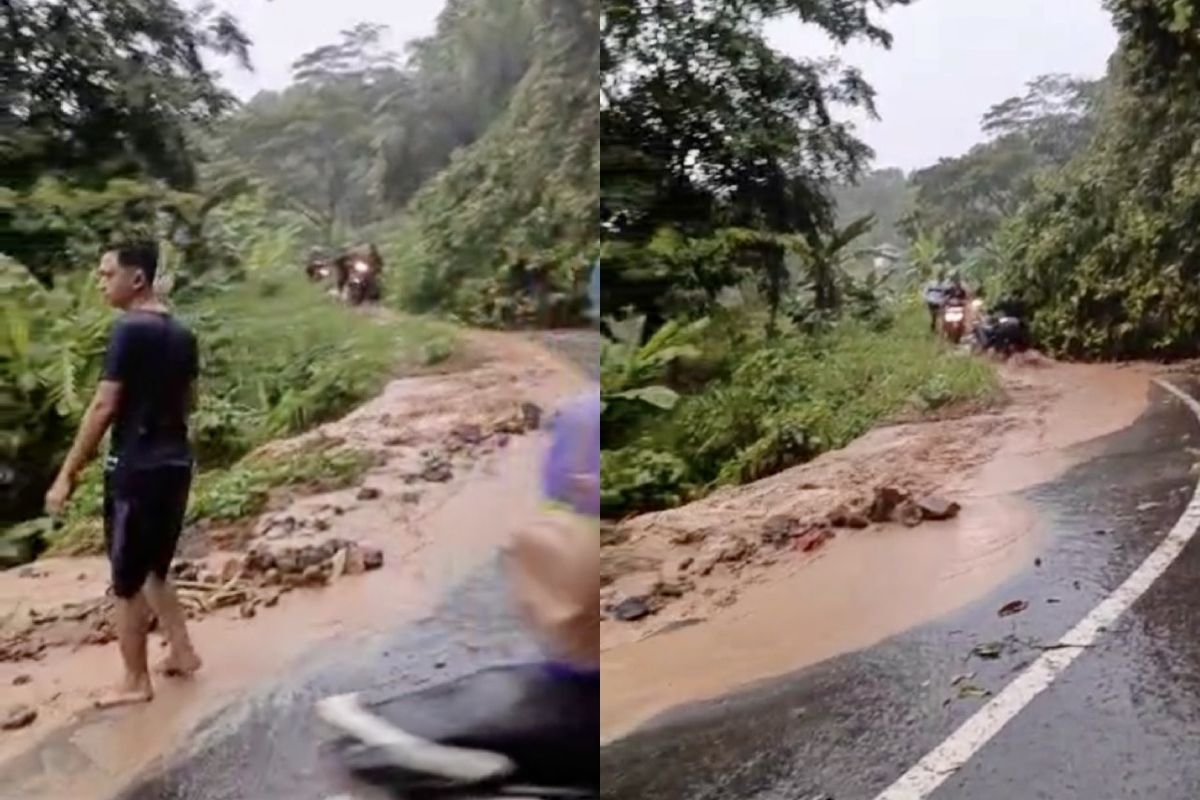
316	261
934	295
956	291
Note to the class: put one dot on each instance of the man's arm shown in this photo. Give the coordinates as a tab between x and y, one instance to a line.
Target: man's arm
96	421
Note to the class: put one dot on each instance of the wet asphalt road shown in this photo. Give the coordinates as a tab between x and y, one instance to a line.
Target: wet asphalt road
269	744
1123	721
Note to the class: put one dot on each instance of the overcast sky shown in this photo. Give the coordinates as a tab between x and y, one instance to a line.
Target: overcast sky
284	30
953	59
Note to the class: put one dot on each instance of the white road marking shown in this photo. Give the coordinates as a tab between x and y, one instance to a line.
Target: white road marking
947	758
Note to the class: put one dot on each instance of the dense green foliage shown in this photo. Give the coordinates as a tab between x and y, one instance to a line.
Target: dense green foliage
111	128
962	201
264	375
719	405
360	129
749	327
218	497
473	162
706	127
92	93
518	207
1107	251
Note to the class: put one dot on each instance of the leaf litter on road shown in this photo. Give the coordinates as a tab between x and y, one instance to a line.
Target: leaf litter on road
1011	608
988	650
958	679
969	691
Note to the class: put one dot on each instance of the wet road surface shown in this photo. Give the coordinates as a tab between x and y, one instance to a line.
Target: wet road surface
1120	722
269	744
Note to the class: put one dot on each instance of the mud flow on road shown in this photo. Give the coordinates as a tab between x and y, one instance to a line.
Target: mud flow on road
1114	724
772	609
363	631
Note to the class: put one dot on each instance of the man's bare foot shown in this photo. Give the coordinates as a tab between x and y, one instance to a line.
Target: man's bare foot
132	691
179	665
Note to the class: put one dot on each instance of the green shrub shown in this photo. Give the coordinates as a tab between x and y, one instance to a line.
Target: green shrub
787	400
278	357
645	480
218	496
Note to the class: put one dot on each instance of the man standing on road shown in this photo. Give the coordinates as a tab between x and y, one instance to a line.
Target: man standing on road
145	393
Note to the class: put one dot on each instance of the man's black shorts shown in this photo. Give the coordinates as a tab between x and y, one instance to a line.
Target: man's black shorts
143	517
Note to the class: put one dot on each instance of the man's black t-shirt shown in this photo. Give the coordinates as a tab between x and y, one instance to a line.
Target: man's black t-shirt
154	358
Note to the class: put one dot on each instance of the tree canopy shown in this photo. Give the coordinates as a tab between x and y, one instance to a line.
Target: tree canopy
963	200
1107	250
705	126
94	93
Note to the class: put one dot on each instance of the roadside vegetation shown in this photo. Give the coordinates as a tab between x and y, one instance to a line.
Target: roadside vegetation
752	322
364	145
717	402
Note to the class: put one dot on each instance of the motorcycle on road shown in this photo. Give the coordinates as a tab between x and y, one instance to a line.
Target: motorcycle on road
363	284
954	320
1003	333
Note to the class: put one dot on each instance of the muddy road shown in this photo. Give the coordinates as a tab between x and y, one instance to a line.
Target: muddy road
978	705
244	727
269	744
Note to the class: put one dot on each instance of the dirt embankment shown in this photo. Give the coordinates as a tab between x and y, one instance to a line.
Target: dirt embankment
456	472
905	524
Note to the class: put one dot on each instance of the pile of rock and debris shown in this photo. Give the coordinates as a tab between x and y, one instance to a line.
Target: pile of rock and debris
258	577
249	581
249	565
641	581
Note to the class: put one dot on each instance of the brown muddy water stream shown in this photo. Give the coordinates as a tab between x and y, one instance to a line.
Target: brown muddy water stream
73	752
869	585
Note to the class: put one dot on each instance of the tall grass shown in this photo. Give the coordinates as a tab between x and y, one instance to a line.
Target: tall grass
278	356
785	401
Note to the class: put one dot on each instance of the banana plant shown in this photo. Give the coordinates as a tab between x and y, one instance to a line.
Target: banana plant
632	372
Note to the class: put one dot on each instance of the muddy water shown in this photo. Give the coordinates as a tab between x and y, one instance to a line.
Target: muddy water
431	554
428	548
871	585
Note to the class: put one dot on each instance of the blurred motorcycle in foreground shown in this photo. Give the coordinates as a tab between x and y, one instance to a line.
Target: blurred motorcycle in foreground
508	732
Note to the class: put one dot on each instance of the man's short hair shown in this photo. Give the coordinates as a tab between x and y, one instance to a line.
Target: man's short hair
142	256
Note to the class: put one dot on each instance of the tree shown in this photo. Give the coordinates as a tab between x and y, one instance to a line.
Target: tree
1107	251
360	130
706	126
108	89
459	81
523	197
96	93
926	257
314	142
826	259
964	199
